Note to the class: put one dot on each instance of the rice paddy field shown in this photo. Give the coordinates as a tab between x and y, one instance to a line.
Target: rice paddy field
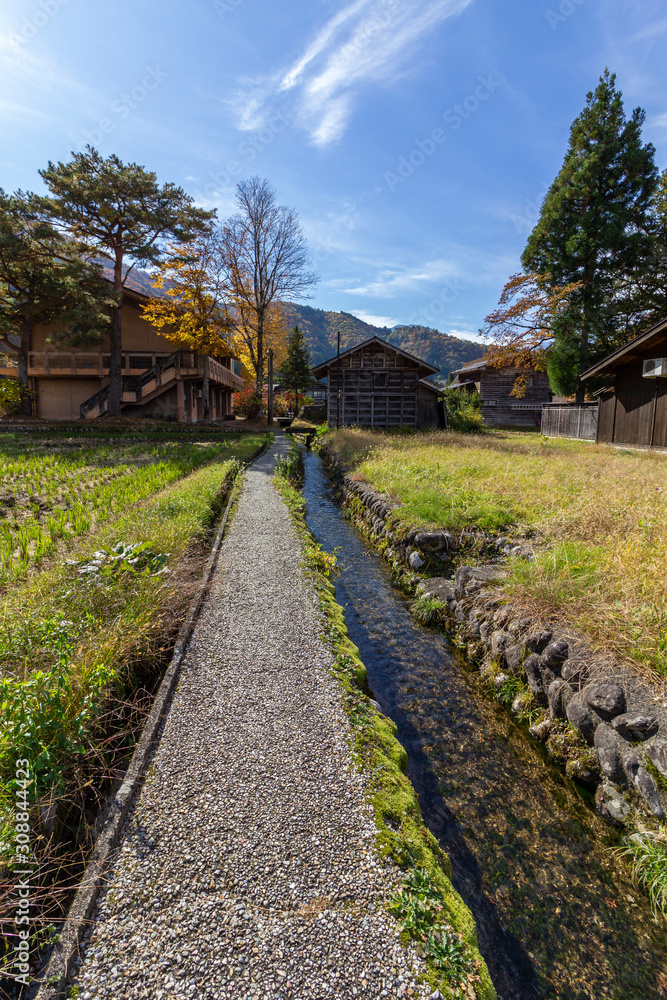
60	485
596	515
104	532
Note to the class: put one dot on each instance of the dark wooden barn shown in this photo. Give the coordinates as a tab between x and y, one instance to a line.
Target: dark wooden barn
499	407
381	386
634	409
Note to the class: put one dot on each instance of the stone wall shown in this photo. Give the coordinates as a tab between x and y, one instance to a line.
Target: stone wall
599	720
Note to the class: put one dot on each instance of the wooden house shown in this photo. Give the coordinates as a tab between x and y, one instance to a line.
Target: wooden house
381	386
159	381
633	410
499	407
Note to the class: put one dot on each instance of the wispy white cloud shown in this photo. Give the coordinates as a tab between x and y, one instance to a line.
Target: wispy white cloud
373	319
659	121
367	42
394	281
26	75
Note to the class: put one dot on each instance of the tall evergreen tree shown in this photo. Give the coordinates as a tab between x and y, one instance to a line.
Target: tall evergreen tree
117	211
296	372
596	229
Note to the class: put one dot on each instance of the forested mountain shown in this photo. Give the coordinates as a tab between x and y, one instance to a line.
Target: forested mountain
320	328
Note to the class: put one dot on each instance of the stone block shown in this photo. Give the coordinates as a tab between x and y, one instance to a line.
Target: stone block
635	725
580	715
607	746
560	694
605	696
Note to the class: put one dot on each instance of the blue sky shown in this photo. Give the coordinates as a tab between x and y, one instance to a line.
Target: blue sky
415	138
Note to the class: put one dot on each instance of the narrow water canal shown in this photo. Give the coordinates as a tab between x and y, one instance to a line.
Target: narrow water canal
556	915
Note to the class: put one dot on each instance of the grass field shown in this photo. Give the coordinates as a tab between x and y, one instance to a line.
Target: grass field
103	535
597	514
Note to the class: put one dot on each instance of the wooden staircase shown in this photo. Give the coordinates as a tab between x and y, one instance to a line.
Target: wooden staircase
140	389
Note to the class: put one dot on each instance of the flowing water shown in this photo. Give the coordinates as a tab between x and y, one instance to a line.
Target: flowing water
557	916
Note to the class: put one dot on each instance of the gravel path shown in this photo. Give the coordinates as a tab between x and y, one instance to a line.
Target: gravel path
247	866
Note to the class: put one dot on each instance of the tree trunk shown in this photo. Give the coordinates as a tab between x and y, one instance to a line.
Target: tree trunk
116	346
580	394
296	402
205	392
259	371
24	351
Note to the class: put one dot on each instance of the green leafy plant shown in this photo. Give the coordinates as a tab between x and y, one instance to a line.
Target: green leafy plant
419	907
139	558
647	854
290	467
427	610
464	410
48	720
508	691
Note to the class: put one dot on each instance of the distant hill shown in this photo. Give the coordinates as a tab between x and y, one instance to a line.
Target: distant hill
320	328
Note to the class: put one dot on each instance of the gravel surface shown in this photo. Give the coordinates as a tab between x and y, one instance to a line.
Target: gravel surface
247	867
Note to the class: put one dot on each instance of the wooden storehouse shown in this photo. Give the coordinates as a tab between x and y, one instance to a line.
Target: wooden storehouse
381	386
499	407
633	410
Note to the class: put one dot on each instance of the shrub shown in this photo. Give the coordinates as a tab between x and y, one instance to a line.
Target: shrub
464	410
11	397
248	402
285	401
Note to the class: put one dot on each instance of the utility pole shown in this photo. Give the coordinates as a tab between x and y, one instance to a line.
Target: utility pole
339	392
270	403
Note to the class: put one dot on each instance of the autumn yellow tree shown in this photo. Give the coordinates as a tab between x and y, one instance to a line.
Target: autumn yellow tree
522	327
190	308
245	338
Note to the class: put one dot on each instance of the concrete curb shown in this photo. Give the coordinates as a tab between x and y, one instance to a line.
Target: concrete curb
61	962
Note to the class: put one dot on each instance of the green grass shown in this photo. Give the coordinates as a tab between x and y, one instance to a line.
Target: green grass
76	646
647	854
55	487
596	516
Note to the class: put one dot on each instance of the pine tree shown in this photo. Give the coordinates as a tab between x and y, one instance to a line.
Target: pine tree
117	211
596	230
296	372
43	281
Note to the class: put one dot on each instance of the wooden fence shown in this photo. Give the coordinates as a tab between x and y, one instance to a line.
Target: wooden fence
570	420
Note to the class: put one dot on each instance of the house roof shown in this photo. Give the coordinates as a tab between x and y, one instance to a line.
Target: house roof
319	371
632	351
431	386
478	365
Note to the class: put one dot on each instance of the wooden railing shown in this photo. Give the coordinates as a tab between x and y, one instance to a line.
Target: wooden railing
67	363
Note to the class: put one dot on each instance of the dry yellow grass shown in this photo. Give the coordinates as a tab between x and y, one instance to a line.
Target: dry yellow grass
599	514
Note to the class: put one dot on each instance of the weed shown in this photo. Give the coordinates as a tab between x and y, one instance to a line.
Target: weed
508	691
647	854
419	906
427	610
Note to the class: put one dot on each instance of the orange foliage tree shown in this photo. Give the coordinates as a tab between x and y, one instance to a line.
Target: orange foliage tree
191	309
522	326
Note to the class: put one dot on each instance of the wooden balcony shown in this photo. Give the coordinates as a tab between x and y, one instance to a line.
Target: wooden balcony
81	364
